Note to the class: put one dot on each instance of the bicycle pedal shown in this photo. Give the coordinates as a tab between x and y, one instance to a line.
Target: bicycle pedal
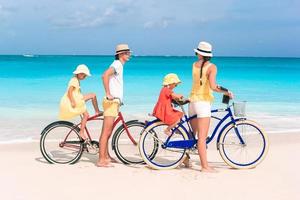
85	149
93	150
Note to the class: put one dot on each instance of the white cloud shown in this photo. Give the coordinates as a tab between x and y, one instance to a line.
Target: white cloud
93	15
3	11
162	23
5	14
137	13
82	19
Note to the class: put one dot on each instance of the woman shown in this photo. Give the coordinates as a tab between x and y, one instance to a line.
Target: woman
201	97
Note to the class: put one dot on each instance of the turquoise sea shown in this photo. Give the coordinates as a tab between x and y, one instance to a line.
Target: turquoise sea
31	87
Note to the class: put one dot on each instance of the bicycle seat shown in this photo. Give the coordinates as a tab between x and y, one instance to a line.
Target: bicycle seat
180	102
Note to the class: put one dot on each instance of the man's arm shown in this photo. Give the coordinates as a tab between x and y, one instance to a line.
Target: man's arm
105	79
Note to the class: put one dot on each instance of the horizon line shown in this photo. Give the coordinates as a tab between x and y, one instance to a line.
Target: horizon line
112	55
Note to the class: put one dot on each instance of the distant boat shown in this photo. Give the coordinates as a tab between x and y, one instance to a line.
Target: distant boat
28	55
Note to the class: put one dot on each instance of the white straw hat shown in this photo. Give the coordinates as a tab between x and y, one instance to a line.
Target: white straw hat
204	49
120	48
82	69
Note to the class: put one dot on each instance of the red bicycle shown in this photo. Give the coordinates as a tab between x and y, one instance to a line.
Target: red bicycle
60	141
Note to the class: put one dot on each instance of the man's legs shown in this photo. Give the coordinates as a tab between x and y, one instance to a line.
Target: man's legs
106	132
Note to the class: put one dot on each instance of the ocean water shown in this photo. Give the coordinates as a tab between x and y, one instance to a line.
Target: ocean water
31	88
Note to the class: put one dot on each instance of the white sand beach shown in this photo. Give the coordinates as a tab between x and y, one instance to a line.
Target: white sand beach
26	175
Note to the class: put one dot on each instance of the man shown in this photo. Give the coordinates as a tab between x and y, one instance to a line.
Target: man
113	85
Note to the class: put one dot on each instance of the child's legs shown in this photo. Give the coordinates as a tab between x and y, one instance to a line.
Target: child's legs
83	124
179	116
203	127
93	97
168	129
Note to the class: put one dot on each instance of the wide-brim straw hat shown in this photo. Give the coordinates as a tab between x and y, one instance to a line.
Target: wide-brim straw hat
121	48
82	69
170	79
204	49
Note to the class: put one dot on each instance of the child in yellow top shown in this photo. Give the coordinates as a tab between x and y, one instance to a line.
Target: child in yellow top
72	103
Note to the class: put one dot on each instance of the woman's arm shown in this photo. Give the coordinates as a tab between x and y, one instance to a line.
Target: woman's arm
212	73
70	96
105	78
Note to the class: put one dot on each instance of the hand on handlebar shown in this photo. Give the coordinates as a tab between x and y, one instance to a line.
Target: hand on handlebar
109	97
230	94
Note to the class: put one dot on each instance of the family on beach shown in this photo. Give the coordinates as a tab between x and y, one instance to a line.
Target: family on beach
201	97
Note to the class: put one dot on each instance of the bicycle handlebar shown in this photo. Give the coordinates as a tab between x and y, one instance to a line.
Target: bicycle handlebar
180	102
115	98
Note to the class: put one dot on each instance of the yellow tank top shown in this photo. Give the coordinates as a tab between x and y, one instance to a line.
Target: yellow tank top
201	92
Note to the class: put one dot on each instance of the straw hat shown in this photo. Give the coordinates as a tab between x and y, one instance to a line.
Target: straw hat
82	69
170	79
204	49
122	48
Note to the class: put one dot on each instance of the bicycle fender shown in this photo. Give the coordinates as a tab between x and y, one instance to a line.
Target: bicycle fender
56	122
130	121
119	129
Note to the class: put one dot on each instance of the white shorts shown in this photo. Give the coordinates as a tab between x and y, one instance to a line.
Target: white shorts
200	108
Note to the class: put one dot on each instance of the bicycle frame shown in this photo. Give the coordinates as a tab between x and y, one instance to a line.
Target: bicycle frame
98	117
191	142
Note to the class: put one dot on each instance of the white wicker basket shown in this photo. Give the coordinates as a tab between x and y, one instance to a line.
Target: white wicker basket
239	108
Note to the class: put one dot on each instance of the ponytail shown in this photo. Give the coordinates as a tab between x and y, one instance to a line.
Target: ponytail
205	59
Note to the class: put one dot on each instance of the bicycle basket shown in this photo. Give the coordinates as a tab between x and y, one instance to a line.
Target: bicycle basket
239	108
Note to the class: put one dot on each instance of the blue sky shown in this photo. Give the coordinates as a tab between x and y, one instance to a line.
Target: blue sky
158	27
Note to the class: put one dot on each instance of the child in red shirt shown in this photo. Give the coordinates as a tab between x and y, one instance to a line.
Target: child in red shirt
163	109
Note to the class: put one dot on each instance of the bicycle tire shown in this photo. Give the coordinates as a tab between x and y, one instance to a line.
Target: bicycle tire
256	142
60	143
161	160
125	149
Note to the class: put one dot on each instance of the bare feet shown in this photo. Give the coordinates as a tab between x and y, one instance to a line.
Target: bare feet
167	132
208	170
111	160
104	164
186	162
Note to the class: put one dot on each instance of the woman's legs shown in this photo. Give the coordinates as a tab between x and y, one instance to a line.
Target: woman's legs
83	124
93	97
194	126
203	127
193	122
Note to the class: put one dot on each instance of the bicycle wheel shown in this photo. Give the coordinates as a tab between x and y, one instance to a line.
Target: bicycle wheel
153	139
60	143
247	155
125	145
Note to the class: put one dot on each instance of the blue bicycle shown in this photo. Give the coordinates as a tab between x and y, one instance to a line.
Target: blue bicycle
241	143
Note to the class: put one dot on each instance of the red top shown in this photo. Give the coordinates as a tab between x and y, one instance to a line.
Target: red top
163	109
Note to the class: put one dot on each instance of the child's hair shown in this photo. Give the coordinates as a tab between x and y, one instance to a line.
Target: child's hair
117	57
